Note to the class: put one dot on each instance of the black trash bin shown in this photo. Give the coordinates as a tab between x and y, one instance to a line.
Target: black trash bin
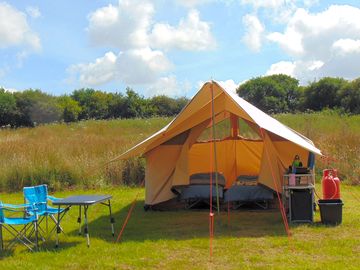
331	211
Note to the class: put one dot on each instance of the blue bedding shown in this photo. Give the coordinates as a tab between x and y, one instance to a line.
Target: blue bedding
200	192
248	194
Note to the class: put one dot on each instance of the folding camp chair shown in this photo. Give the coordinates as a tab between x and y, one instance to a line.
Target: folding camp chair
38	196
10	224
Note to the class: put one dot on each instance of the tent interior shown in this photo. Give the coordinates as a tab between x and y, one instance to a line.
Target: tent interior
219	132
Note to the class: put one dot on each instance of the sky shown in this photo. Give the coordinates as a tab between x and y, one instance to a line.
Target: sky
172	47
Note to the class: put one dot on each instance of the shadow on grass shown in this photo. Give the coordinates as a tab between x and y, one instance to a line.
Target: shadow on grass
64	243
6	253
43	247
186	224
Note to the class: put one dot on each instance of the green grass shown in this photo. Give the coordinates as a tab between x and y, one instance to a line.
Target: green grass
179	239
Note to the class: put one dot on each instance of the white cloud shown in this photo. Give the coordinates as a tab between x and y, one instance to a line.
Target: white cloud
169	86
346	46
101	71
276	10
192	34
124	26
138	66
267	3
14	29
229	85
193	3
137	40
33	12
282	67
11	90
254	31
326	43
312	35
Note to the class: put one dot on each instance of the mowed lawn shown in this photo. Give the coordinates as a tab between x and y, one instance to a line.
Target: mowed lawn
179	239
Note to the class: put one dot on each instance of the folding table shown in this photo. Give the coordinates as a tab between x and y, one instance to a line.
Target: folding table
83	201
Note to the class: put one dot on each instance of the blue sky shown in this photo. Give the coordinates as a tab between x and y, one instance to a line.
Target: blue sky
172	46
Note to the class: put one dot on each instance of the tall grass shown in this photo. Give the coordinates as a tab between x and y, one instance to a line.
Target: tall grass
64	156
338	137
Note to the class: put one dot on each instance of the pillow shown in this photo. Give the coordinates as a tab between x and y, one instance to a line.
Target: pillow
204	179
246	180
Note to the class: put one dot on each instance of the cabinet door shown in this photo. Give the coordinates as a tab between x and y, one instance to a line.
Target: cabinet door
301	205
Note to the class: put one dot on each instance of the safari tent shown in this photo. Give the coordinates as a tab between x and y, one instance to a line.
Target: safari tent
247	141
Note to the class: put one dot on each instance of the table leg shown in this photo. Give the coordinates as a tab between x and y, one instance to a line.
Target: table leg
86	229
58	228
112	220
79	220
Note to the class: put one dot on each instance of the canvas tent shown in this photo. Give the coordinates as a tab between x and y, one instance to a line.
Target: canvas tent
180	149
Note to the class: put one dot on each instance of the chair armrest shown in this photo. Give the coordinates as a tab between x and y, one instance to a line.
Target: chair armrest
52	198
16	207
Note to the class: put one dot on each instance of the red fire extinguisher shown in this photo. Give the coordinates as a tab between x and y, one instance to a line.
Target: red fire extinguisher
330	184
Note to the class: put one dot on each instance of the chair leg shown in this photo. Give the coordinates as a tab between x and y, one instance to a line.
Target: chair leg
40	230
1	239
19	236
36	236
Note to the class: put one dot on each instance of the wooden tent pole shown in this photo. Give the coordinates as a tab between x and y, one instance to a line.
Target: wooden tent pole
215	153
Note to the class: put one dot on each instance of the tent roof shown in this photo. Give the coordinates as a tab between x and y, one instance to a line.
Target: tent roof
198	110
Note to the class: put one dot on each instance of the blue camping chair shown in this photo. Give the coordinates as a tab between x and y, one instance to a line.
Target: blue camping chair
38	196
10	224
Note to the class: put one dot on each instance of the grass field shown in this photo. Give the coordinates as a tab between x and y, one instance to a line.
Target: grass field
179	239
68	156
69	159
64	155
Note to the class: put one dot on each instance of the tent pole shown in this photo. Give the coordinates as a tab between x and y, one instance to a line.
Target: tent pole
215	153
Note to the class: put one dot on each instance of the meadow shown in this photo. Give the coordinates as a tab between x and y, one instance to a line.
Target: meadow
75	155
72	159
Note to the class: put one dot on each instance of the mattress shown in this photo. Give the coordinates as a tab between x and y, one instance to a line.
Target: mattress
248	194
200	192
204	179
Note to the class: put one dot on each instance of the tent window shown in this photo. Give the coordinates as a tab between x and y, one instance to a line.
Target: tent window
246	131
222	131
178	139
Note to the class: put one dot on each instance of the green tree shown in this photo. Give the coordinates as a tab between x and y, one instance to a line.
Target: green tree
349	96
272	94
163	105
167	106
116	106
7	108
70	109
94	104
324	94
35	107
136	106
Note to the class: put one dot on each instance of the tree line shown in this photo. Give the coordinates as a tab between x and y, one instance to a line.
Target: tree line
282	94
31	107
272	94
